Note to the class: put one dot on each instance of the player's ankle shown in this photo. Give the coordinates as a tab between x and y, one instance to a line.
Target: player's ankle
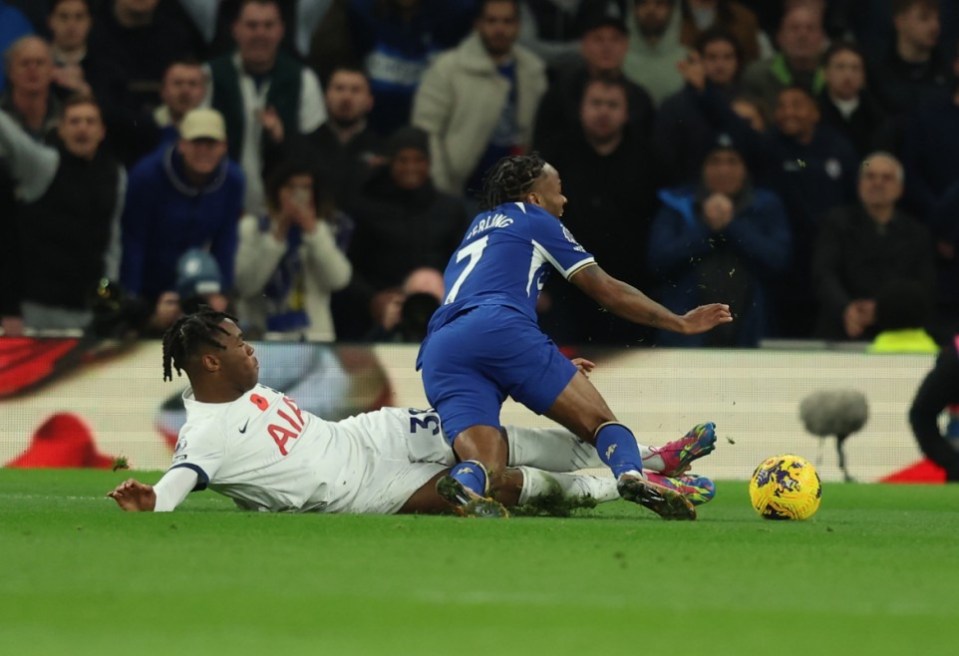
471	474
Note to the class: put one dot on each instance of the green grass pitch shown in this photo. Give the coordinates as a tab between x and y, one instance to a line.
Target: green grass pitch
876	571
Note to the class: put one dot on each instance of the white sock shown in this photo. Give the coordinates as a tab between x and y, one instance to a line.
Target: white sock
651	461
537	482
555	449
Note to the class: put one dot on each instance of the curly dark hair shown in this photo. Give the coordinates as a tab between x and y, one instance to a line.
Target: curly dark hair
510	179
183	339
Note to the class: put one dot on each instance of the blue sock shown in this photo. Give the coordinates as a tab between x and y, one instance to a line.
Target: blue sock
471	475
618	449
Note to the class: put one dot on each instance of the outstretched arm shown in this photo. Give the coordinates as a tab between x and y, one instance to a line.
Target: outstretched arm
626	301
32	165
134	496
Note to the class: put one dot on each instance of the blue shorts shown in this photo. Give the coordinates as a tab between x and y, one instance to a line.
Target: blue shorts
474	362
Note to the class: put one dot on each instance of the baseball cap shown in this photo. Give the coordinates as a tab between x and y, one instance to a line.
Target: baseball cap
723	141
203	124
197	273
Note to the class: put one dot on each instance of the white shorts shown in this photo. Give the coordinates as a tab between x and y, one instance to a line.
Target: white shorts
393	452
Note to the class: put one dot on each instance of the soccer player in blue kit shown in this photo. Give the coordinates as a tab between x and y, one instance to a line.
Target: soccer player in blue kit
484	342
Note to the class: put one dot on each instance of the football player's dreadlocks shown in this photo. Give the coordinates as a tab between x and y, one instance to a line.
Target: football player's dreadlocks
183	338
510	179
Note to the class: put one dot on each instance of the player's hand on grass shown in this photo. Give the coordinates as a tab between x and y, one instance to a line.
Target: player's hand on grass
705	317
133	496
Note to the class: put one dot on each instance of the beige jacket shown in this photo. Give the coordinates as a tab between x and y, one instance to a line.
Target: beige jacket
459	102
325	270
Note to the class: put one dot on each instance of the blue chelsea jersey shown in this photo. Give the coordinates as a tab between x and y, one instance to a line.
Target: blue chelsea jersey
504	259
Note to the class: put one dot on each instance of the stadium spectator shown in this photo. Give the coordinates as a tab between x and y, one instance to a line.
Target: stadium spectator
406	316
864	247
69	22
808	164
603	48
945	230
930	151
214	20
484	342
128	50
847	105
478	101
396	470
727	15
914	67
291	260
403	222
683	131
939	390
136	134
904	310
655	48
720	240
813	169
29	98
13	26
801	42
142	41
263	94
553	29
345	146
810	167
610	175
184	195
394	41
184	88
71	200
810	159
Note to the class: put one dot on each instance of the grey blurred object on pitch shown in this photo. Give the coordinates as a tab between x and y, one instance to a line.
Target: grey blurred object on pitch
835	412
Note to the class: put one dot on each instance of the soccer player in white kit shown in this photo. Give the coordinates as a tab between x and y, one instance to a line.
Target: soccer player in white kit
256	446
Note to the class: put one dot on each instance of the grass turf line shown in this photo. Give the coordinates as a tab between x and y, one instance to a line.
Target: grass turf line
873	572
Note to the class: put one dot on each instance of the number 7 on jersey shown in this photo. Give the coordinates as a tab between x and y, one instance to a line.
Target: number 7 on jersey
474	252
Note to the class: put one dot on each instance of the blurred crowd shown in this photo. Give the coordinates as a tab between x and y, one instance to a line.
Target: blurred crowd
311	165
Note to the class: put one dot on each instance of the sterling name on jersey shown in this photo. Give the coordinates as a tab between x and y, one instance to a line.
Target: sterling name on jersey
265	453
504	260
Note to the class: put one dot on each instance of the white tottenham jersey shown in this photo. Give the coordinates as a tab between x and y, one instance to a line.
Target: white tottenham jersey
266	453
